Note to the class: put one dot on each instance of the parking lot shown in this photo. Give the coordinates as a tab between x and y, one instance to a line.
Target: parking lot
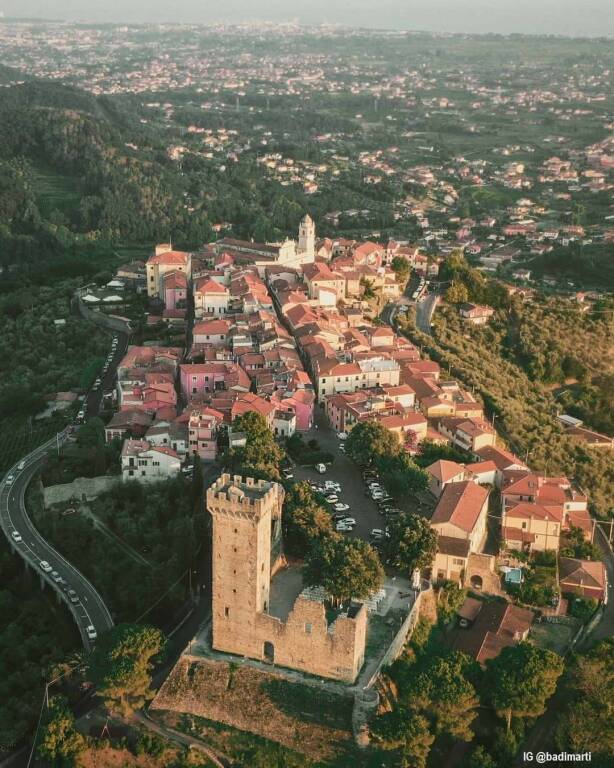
353	490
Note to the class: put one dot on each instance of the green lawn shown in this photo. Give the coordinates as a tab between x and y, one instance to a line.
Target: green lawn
55	191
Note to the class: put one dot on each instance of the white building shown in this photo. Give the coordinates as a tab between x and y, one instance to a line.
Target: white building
145	462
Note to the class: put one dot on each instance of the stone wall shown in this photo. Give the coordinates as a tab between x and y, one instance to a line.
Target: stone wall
83	488
246	515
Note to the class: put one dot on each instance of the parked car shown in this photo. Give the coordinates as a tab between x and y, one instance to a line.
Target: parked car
9	479
332	498
339	507
56	577
343	527
72	596
321	468
21	465
342	435
349	521
16	536
44	565
91	632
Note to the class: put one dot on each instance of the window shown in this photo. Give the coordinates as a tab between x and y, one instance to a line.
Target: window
226	611
524	526
458	561
308	628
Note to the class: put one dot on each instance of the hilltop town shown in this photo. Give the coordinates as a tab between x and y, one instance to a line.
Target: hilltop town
306	396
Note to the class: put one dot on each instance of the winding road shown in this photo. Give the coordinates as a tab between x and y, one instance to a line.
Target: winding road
87	607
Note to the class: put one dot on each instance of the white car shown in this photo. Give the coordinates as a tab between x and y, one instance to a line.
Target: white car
342	435
342	448
9	479
348	521
45	566
332	498
91	632
21	465
56	577
16	536
341	507
343	528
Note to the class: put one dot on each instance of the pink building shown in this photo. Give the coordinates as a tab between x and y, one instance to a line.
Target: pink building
206	378
301	401
202	434
175	290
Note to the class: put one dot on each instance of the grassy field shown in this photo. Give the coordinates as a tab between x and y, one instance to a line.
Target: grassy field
54	191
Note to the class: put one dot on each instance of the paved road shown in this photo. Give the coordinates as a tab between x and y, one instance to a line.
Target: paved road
424	312
33	548
605	628
347	473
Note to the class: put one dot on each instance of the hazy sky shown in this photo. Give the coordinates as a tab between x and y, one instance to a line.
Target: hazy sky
567	17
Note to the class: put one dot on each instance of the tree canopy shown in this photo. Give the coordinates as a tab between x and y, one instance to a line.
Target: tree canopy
60	742
121	663
261	456
346	568
412	543
522	678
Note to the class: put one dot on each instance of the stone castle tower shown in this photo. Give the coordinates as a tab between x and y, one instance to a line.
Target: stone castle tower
307	237
246	517
246	543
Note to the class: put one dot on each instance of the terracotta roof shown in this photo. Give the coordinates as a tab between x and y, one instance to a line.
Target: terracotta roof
502	458
496	626
449	545
528	511
444	470
206	285
175	280
169	257
582	573
460	504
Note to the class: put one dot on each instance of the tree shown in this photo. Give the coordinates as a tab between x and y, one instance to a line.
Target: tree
587	723
401	268
304	520
457	293
401	475
261	456
405	731
369	440
412	542
346	568
60	743
441	688
121	663
521	679
479	758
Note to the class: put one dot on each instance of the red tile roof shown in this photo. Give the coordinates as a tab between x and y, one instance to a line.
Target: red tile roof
460	505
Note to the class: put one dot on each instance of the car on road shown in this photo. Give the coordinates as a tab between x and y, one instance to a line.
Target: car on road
342	527
288	474
72	596
56	577
339	507
9	479
342	448
379	533
321	468
91	632
81	415
342	435
44	565
16	536
21	465
332	485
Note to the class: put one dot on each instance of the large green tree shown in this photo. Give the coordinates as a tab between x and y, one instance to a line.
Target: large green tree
442	689
369	440
346	568
412	542
121	663
261	456
304	520
406	732
60	741
586	725
521	679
